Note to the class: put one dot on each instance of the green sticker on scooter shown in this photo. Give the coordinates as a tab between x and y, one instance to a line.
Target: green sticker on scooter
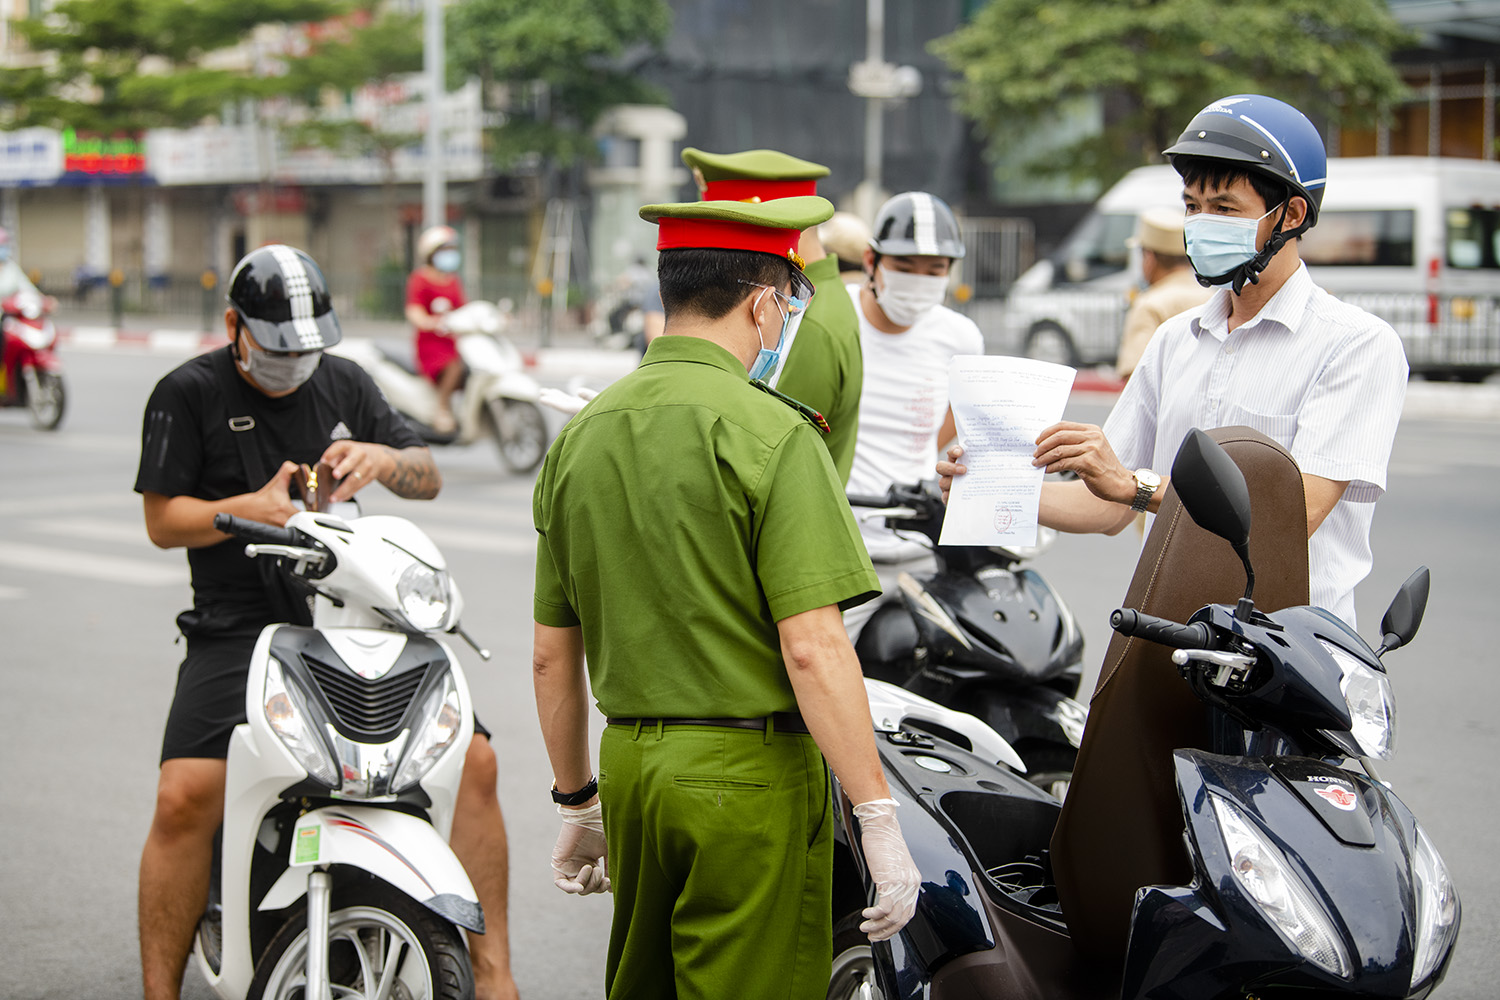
306	850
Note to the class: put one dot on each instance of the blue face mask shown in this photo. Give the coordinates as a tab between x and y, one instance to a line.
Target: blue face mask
447	259
769	362
1218	244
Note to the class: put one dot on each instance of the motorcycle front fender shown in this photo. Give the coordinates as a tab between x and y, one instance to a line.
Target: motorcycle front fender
46	359
396	847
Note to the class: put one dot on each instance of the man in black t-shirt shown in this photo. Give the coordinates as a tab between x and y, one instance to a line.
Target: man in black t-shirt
226	431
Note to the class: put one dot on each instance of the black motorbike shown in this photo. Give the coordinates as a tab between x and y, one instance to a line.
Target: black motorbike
984	634
1307	877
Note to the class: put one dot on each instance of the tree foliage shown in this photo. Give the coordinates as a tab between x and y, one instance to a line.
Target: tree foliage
562	62
1157	62
127	65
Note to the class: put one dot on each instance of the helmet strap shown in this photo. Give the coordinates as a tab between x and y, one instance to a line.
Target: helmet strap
1249	272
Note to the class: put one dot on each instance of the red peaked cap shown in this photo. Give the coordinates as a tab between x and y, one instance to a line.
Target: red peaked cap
773	227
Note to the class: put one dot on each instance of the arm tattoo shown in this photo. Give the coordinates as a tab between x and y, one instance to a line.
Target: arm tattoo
415	475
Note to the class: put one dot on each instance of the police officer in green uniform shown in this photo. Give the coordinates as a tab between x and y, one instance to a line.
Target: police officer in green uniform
824	367
694	542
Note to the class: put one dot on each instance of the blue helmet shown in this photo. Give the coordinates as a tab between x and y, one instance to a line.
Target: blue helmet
1262	134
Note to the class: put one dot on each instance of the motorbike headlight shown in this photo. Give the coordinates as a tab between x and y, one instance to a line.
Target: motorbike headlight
441	719
285	707
1372	706
1437	909
424	597
1266	877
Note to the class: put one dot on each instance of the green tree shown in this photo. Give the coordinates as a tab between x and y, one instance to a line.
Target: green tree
1157	62
127	65
561	62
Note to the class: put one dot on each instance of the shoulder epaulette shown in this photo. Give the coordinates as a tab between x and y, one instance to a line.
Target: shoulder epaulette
813	416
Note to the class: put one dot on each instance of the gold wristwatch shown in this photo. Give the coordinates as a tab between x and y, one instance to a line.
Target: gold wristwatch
1146	485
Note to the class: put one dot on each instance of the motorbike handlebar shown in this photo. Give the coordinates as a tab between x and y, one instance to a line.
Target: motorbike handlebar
870	500
255	531
1128	621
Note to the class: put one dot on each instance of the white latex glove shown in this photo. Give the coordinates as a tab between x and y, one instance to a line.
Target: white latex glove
568	402
579	859
895	875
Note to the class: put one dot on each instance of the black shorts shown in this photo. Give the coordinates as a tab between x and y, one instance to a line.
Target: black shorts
210	698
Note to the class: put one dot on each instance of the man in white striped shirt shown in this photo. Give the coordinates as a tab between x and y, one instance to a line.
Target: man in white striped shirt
1270	350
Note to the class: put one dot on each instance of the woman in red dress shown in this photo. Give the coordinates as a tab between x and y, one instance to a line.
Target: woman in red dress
433	290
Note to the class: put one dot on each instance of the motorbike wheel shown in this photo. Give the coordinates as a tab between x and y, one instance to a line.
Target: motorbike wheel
1051	770
853	976
381	943
46	398
520	430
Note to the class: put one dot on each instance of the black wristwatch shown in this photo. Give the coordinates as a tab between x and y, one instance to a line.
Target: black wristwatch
577	798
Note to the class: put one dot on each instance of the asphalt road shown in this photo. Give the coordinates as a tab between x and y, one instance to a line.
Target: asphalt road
88	663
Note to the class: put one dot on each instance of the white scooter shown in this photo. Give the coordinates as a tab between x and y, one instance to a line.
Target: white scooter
498	398
335	878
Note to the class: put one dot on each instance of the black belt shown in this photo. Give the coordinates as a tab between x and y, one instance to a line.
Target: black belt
781	722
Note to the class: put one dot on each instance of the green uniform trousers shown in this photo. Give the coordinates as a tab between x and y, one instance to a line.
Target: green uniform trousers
721	857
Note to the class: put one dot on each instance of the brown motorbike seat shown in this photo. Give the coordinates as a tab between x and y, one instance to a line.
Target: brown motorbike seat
1121	826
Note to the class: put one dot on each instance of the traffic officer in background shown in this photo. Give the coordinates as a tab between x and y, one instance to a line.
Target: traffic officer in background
694	542
846	236
823	368
1173	287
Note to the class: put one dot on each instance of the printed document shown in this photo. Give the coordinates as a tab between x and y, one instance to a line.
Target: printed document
1001	405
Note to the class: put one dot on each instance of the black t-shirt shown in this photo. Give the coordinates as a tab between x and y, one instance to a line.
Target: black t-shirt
188	449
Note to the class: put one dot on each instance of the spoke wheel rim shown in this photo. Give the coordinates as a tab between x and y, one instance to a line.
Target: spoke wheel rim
388	960
42	398
853	976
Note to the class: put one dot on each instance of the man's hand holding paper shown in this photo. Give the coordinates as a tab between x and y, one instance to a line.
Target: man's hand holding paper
1000	405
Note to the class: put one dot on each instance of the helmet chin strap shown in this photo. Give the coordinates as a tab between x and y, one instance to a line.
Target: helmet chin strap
1250	270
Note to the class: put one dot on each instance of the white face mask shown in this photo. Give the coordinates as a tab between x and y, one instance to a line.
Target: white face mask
905	297
279	372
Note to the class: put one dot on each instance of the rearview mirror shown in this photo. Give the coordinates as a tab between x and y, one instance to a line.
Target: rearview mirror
1404	616
1213	492
1212	488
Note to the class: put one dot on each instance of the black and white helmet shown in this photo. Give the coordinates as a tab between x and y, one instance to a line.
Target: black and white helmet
283	300
917	224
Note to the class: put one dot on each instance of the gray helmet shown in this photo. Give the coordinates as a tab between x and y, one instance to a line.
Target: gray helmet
917	224
283	300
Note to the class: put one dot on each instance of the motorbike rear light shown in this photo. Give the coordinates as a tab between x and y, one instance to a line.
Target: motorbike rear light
1437	909
1265	875
286	712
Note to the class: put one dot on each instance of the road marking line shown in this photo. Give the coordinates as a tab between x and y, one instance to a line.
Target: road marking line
110	569
96	529
86	501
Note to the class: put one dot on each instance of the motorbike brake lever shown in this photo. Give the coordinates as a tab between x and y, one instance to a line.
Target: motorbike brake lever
1233	668
904	513
301	557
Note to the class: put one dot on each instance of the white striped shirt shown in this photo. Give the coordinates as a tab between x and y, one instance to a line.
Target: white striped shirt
1324	379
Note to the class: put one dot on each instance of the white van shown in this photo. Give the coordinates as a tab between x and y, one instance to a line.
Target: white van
1415	240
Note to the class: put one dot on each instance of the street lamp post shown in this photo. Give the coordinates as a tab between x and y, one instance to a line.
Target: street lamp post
434	200
877	81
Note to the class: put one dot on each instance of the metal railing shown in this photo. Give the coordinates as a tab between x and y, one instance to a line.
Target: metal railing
1443	335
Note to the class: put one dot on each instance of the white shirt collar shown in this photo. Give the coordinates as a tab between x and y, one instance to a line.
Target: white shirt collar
1285	308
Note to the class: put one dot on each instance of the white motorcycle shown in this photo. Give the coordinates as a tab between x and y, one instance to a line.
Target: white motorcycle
498	398
334	877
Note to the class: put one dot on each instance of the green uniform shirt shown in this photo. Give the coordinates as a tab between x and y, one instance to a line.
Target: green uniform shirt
680	515
825	368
